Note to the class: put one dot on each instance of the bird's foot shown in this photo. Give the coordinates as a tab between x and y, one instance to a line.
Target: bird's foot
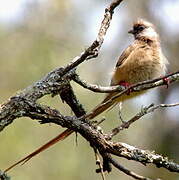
166	81
126	85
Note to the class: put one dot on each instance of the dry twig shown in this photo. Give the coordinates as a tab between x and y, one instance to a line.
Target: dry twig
145	110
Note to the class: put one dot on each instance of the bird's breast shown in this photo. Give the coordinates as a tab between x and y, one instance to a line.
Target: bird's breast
139	69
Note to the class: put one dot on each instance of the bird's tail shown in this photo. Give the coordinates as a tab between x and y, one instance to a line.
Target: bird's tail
60	137
104	105
95	112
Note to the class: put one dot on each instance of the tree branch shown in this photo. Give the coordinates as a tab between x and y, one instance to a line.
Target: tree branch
93	50
52	84
173	77
24	104
55	81
143	156
97	139
144	111
126	171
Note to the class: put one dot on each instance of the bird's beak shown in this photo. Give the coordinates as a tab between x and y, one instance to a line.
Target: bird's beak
131	31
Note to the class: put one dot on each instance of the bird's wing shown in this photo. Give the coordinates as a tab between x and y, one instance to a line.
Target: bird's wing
122	59
125	55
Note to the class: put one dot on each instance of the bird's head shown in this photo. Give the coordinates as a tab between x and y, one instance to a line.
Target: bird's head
142	28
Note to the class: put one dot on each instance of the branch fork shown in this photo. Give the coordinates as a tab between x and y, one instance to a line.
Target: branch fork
57	82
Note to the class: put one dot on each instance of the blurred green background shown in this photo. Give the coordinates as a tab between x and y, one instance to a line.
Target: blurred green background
37	36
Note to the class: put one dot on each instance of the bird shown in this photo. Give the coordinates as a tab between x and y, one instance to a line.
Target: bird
141	61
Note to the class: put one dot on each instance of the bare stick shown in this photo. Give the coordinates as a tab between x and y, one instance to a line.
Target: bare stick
173	77
144	111
98	162
56	80
93	50
126	171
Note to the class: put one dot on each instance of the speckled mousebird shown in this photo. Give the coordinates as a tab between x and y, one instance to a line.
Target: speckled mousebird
142	60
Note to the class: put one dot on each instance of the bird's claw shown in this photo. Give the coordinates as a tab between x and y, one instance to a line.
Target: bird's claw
166	81
126	85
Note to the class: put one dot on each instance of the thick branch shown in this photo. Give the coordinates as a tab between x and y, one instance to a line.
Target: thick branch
69	97
52	84
55	81
97	139
142	156
47	115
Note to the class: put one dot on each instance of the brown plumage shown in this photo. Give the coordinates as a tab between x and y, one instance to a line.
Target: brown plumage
142	60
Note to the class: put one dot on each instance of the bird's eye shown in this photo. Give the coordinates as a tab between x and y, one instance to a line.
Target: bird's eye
140	28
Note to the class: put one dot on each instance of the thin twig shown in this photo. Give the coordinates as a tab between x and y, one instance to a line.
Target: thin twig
97	88
93	50
144	111
173	77
141	86
100	121
126	171
98	162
